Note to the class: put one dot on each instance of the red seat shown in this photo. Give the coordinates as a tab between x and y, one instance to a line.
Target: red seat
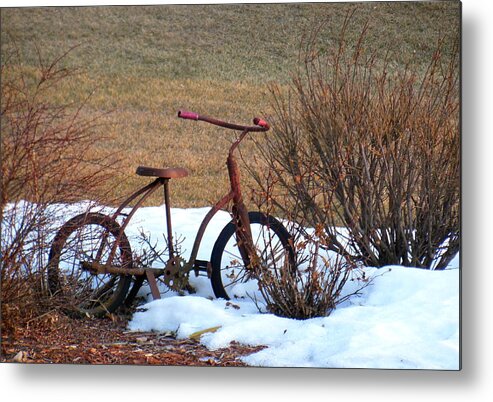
165	173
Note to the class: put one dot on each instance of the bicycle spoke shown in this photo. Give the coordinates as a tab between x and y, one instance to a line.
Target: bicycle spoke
269	249
86	239
239	279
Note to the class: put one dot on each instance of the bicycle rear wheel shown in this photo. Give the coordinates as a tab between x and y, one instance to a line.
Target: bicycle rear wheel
230	275
88	238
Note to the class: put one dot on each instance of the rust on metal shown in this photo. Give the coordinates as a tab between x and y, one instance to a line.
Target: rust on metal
165	173
260	125
167	204
101	269
151	279
200	233
145	192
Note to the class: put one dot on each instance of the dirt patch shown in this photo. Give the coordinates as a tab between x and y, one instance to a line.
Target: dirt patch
55	338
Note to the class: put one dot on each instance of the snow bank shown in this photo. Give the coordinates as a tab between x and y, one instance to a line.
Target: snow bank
408	318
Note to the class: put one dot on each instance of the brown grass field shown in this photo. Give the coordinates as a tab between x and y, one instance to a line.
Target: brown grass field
141	64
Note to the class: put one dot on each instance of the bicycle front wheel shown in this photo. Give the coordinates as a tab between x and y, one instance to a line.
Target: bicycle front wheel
230	276
88	238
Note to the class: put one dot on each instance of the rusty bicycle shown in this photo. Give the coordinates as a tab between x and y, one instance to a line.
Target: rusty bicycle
91	267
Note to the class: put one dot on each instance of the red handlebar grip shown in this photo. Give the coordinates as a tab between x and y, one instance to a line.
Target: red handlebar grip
261	123
188	115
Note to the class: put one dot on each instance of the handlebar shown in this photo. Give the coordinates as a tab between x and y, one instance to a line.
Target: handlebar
260	125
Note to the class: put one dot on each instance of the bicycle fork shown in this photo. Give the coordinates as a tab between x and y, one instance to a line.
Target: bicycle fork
240	212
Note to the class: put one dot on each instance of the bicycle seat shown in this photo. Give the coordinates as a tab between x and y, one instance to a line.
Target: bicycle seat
165	173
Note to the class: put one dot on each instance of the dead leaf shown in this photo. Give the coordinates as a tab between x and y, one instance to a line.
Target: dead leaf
20	357
196	335
235	306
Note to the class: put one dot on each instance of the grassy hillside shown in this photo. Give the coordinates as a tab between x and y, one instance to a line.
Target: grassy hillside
144	63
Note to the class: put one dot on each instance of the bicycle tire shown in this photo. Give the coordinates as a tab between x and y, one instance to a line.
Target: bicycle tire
77	241
220	273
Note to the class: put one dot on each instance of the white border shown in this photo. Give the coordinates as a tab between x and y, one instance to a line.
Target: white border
120	383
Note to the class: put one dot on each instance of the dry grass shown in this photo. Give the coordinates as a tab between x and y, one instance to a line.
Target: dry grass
143	63
227	42
156	137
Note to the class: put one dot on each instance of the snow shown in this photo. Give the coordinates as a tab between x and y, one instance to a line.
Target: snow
408	318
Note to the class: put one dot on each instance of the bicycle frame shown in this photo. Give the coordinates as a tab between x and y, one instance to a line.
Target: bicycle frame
239	214
233	195
239	211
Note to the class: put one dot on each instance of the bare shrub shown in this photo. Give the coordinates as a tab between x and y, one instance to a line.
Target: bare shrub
47	158
373	147
314	286
316	280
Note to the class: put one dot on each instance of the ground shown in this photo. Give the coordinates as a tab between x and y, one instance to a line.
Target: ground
56	338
